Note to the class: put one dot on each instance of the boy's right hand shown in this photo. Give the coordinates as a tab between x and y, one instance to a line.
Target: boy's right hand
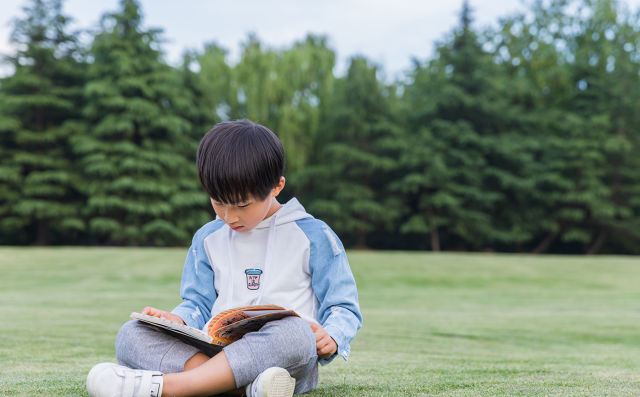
152	311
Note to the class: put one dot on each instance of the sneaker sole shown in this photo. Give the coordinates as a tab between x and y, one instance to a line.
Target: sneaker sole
95	377
280	384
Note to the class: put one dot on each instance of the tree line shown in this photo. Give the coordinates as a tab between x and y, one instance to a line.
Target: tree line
520	137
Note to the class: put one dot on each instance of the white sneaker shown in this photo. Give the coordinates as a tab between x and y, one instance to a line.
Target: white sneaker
272	382
113	380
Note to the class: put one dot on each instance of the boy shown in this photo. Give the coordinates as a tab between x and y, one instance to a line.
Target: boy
294	260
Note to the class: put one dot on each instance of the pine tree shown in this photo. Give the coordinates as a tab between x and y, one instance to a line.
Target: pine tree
12	226
356	157
606	95
460	161
192	101
573	73
133	157
38	177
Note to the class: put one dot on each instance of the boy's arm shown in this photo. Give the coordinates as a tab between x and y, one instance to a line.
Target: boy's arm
196	288
335	288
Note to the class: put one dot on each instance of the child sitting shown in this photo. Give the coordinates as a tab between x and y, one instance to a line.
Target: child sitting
294	260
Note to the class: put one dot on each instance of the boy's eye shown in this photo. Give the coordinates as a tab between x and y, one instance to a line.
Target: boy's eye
243	205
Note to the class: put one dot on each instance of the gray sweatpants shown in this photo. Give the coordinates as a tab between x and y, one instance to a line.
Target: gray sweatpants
288	343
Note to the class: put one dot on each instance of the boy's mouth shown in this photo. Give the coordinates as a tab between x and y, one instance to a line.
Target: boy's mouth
236	227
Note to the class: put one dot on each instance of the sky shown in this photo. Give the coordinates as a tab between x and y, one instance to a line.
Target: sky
389	33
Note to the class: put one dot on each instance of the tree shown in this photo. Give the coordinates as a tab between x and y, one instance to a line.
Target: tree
356	156
191	100
605	72
306	74
215	80
38	176
462	156
134	154
286	90
571	56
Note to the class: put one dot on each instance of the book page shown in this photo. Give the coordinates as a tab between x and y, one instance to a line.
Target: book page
237	329
173	326
255	313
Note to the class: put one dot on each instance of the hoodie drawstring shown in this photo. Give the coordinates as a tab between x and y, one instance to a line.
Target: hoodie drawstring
268	258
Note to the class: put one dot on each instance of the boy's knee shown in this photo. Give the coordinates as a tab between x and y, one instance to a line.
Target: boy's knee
127	339
301	336
302	358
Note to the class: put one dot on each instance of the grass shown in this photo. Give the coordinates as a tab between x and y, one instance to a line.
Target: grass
435	324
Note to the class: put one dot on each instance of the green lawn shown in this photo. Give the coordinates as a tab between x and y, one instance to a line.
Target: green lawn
434	324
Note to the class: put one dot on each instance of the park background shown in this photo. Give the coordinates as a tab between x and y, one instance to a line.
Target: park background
518	137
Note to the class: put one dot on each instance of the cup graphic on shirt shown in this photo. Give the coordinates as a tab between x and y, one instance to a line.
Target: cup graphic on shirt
253	278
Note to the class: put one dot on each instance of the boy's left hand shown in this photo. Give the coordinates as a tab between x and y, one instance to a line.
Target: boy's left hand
325	345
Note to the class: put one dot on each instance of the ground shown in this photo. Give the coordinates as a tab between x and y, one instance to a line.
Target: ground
434	324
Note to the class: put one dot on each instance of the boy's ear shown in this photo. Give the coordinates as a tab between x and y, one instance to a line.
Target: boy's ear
278	188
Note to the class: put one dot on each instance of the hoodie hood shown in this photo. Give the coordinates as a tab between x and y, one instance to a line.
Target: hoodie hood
291	211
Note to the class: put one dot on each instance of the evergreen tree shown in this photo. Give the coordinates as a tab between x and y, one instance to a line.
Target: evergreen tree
191	100
356	157
134	156
462	155
578	78
12	226
606	96
39	198
537	85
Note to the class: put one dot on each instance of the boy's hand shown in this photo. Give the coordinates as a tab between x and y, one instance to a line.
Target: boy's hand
325	345
152	311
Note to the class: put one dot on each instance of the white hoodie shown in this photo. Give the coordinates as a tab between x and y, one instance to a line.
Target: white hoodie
289	259
267	265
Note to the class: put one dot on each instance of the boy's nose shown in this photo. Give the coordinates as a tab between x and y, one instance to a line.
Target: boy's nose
230	217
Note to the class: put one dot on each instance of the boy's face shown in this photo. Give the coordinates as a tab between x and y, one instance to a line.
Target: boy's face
243	217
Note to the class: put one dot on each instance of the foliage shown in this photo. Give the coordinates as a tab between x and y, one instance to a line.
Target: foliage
39	193
518	137
445	187
135	153
358	155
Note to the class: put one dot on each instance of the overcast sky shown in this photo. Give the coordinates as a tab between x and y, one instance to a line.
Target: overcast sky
389	33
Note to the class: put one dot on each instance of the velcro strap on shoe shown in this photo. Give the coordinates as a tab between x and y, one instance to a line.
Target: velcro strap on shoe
129	384
145	384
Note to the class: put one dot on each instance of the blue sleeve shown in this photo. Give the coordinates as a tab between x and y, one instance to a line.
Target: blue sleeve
334	286
196	288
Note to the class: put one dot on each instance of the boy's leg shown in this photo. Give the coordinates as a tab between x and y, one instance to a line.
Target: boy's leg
141	346
212	377
288	343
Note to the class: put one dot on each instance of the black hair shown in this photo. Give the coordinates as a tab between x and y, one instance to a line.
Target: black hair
238	159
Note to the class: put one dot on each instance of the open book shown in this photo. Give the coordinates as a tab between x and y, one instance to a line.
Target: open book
226	327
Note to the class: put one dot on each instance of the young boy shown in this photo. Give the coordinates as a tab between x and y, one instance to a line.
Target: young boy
299	263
